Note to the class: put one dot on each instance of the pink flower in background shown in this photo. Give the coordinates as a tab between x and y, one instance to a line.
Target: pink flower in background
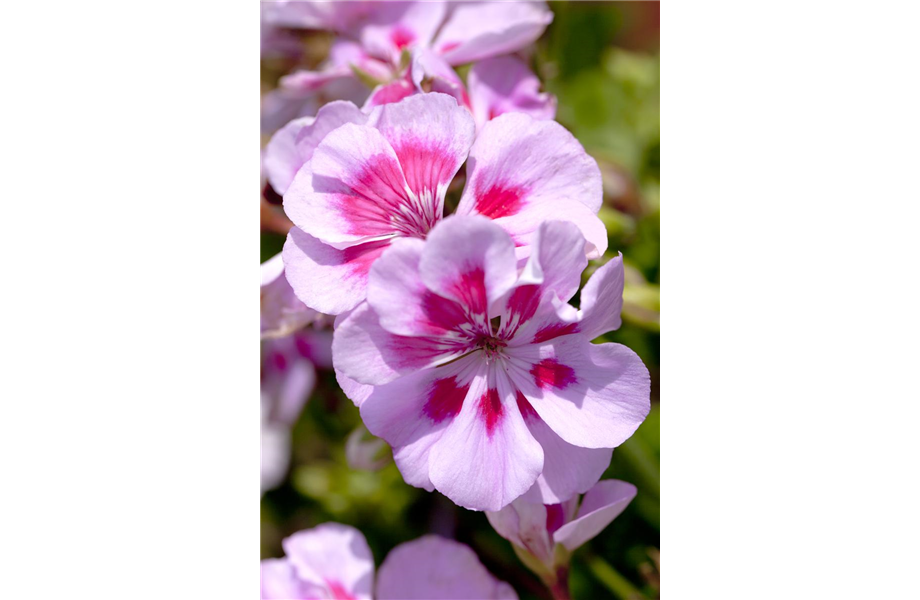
288	378
485	380
334	561
379	32
496	86
367	185
282	313
538	528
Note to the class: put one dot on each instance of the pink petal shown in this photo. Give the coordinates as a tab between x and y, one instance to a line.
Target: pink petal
304	82
506	84
486	457
369	354
553	271
567	470
388	93
350	190
431	136
294	144
477	30
431	73
434	567
281	106
393	26
470	261
601	505
412	412
602	299
404	305
275	451
356	392
282	313
515	177
280	582
334	556
524	524
337	16
327	279
590	395
287	380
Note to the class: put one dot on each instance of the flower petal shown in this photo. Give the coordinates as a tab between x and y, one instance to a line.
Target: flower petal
282	313
553	271
523	172
477	30
350	190
486	457
294	144
590	395
434	567
412	412
567	470
431	73
335	556
602	299
392	26
280	582
327	279
275	452
470	261
506	84
524	524
388	93
601	505
431	136
364	351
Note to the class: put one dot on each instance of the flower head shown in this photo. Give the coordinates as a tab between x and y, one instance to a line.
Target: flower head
538	529
366	185
484	381
334	561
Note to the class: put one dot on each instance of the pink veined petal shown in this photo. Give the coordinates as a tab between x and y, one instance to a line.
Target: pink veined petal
602	299
388	93
393	26
470	261
430	73
369	354
590	395
335	556
486	457
431	135
434	567
337	16
294	144
553	270
351	190
282	313
601	505
477	30
356	392
280	582
567	470
404	305
506	84
305	82
327	279
522	172
524	524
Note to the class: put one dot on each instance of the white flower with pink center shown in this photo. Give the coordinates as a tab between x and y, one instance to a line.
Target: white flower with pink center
334	561
480	376
370	182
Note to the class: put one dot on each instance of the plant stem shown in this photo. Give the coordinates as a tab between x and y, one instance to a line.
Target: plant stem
560	588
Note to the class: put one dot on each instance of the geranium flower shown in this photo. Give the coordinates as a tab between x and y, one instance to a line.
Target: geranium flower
485	380
375	34
538	529
367	185
334	561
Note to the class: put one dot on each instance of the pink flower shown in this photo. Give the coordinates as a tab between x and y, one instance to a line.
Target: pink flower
334	561
381	31
538	529
496	86
281	312
485	380
367	185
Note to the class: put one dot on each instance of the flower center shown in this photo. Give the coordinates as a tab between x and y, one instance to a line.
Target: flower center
491	346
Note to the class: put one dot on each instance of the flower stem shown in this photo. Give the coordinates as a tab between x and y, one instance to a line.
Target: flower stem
560	588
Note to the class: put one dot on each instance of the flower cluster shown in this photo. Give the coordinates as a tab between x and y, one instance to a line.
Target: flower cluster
453	333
